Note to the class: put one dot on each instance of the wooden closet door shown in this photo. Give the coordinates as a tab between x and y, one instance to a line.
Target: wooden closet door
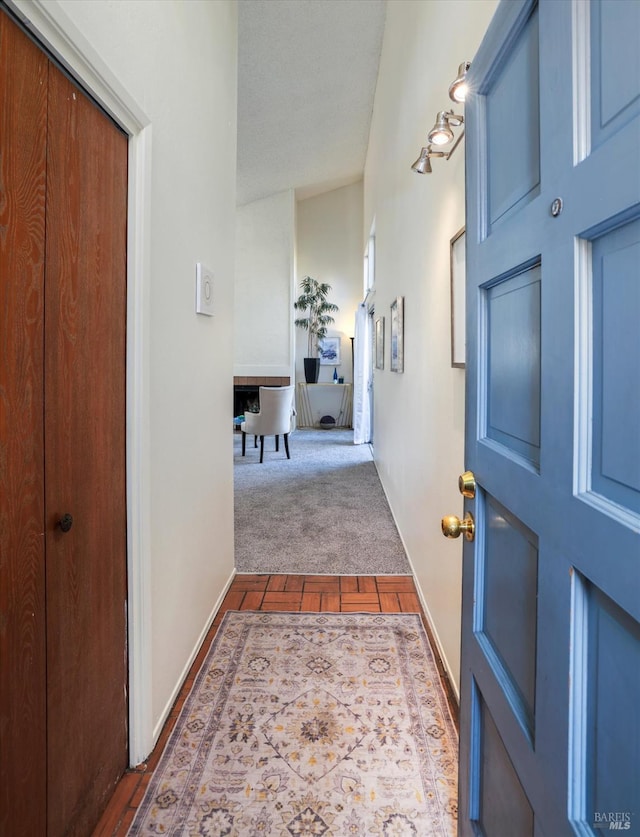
23	114
84	374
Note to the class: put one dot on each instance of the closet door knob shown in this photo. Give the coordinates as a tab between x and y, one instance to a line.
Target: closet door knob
66	522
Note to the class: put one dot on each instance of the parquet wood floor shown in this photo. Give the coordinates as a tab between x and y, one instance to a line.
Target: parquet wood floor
320	593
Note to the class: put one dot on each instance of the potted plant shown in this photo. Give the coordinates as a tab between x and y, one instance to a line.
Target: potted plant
313	300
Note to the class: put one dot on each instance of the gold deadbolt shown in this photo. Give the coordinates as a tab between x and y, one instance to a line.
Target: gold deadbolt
467	484
453	527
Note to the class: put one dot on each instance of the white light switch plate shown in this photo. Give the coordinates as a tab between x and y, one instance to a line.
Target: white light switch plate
204	290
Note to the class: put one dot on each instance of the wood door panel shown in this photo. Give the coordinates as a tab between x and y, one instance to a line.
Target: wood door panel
23	114
85	456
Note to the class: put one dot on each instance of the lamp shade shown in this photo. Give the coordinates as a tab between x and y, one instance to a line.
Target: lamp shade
441	133
458	88
423	164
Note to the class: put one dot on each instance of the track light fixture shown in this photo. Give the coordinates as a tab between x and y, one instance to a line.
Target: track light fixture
441	133
459	87
423	164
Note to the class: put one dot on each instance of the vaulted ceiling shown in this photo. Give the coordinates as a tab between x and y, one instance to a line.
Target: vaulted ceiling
307	72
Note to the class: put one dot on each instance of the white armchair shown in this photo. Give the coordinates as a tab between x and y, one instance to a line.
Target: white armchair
274	418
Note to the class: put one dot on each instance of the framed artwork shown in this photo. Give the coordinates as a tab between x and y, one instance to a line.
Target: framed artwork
379	343
329	351
397	334
457	253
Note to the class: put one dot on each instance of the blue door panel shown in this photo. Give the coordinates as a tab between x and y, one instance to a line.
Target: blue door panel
616	339
507	607
512	114
501	796
613	737
513	358
615	67
550	664
605	717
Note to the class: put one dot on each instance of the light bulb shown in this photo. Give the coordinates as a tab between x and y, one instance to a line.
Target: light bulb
441	133
459	87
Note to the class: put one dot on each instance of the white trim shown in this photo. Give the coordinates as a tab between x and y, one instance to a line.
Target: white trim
445	662
57	32
583	366
194	653
578	696
581	66
370	261
54	30
141	739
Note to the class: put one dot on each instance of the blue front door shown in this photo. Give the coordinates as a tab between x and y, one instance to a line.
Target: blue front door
550	680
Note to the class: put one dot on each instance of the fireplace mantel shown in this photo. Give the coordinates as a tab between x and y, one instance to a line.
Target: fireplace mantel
261	381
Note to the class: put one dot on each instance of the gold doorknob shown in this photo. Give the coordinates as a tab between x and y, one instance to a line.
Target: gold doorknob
467	484
453	527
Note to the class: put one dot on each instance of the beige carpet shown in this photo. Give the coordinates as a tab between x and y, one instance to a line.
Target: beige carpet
321	512
310	724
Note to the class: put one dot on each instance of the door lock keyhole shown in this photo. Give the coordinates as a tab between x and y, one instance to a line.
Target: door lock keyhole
556	207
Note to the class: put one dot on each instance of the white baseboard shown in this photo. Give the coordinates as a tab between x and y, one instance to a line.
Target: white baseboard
187	667
434	633
435	637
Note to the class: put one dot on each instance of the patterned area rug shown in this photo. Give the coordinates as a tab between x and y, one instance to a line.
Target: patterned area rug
310	724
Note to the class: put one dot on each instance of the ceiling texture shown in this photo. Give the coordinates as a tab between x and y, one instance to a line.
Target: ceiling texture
307	72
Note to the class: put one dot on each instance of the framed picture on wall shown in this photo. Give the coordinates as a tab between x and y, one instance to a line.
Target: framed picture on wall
329	351
457	299
379	343
397	334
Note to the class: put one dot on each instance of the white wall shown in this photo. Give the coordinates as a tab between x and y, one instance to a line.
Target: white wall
177	60
277	240
330	249
265	247
419	415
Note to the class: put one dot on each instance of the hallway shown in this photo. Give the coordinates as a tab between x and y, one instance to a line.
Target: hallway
317	593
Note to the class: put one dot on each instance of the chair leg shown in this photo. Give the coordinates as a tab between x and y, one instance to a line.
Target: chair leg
255	441
244	442
286	444
277	443
261	448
